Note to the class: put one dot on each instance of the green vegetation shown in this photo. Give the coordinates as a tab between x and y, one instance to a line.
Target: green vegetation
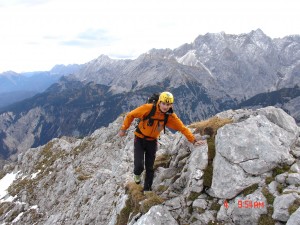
266	219
215	206
249	190
280	188
280	170
162	188
294	206
270	198
193	196
19	185
208	171
198	210
269	180
48	156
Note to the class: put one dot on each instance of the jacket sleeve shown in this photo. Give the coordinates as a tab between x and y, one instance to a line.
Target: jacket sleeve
139	112
175	123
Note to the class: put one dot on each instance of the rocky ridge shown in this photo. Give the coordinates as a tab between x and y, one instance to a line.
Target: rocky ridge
255	177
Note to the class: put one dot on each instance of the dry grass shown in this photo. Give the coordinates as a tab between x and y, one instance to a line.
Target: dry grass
162	161
151	200
210	126
135	193
137	202
294	206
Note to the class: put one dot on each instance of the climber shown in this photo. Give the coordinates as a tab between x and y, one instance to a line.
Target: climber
148	131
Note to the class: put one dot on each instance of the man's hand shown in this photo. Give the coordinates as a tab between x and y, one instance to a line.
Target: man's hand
200	142
122	133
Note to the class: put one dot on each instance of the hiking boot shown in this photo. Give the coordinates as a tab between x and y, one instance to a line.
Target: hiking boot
137	179
147	191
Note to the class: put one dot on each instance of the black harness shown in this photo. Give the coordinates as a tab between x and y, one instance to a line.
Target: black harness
150	119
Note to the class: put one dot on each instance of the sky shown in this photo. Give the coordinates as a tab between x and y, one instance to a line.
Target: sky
36	35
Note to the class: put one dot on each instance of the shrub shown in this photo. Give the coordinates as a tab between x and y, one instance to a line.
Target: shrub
269	180
270	198
208	171
266	219
280	170
193	196
294	206
249	190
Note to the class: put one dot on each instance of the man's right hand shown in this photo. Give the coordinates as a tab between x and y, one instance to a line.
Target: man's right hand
122	133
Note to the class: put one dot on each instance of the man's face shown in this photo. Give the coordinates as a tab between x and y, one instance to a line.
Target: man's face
164	107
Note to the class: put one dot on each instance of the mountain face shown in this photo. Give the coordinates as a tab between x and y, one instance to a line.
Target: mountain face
16	87
214	73
248	173
285	98
71	108
239	65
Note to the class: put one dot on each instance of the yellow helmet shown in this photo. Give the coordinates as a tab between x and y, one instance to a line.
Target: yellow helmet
166	97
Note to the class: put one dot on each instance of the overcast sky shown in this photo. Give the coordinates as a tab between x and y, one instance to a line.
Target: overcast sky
38	34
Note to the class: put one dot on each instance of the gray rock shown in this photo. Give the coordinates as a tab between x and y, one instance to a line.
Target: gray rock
293	178
229	179
82	181
157	215
296	167
281	206
281	178
294	218
244	210
200	203
247	149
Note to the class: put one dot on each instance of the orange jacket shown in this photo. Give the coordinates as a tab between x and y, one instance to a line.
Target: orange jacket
158	125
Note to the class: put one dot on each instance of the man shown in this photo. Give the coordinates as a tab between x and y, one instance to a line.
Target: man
147	132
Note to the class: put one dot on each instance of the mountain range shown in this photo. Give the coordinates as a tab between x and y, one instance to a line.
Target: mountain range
15	87
215	72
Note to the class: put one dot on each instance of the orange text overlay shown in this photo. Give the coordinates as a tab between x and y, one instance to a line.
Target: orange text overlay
247	204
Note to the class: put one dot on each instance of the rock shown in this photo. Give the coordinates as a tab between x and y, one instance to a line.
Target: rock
200	203
296	167
293	178
244	210
294	218
247	149
83	181
281	206
157	215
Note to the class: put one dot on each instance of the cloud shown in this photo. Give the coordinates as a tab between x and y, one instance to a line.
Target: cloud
37	34
5	3
94	34
91	38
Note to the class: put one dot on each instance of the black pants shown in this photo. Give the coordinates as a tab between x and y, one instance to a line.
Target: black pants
144	152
